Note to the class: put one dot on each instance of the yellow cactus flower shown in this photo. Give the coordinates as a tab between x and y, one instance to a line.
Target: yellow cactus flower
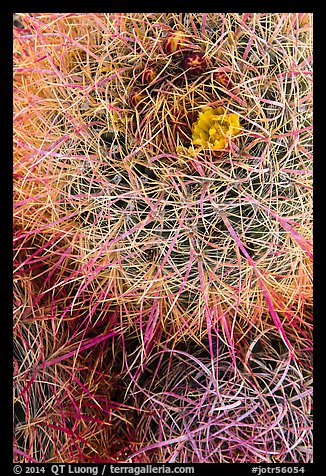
214	128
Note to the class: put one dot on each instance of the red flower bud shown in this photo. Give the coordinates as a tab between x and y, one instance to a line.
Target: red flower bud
177	41
148	75
194	63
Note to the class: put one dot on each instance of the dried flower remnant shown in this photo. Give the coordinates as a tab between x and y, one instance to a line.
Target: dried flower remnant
136	97
222	78
213	128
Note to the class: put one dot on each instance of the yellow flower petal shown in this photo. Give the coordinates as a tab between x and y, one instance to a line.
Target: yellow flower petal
213	126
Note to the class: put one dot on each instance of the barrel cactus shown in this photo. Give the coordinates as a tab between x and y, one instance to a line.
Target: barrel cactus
199	410
163	181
